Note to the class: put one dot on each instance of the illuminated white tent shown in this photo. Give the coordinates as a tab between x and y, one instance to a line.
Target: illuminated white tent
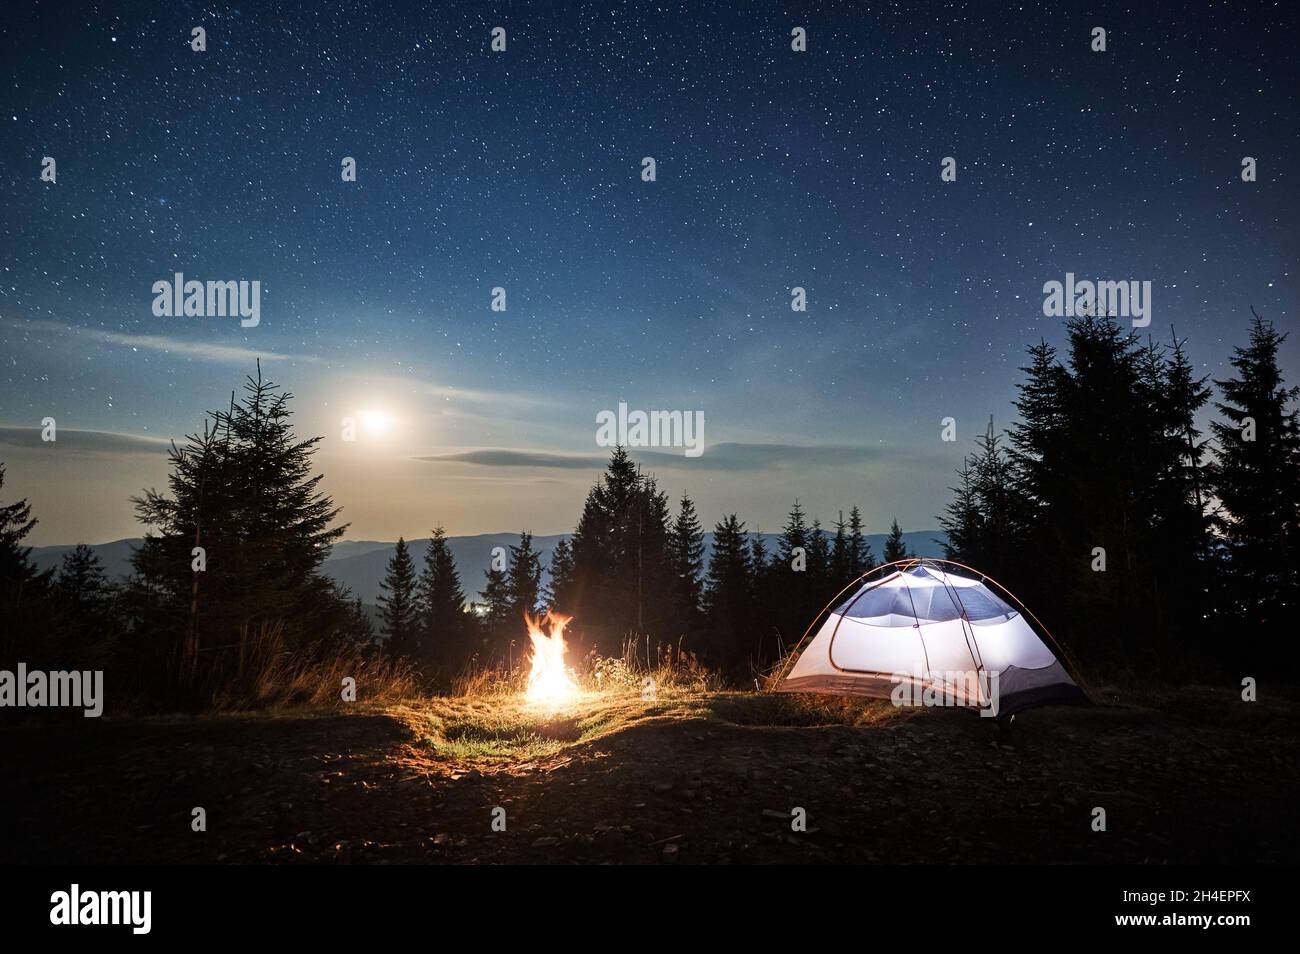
932	626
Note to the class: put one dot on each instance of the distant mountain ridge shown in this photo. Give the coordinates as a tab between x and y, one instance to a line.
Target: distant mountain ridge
360	564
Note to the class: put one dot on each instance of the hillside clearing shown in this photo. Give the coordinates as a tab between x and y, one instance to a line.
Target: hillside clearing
695	777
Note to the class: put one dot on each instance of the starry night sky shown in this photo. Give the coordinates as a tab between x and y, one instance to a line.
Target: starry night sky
522	169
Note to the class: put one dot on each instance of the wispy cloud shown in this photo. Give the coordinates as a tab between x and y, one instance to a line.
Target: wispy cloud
502	457
69	440
725	456
747	457
204	350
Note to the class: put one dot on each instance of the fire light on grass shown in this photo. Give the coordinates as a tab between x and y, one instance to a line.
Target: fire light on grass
549	679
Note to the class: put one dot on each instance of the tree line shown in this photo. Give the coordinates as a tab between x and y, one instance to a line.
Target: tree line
1140	537
233	552
632	572
1149	542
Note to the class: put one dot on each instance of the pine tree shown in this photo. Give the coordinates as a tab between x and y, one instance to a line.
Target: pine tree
727	598
1110	472
561	582
441	603
962	519
1257	481
397	603
360	627
244	492
354	632
1100	468
622	580
25	613
1001	522
861	558
1180	529
1042	462
1039	439
685	550
840	557
983	523
497	621
792	570
766	600
760	563
819	565
794	538
84	590
524	577
19	578
895	545
1186	395
168	597
287	520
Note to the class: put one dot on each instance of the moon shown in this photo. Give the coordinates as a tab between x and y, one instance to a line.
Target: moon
377	423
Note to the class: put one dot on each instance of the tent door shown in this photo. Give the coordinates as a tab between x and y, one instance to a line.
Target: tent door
953	668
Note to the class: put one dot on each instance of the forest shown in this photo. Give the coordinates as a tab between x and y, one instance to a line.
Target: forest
1150	516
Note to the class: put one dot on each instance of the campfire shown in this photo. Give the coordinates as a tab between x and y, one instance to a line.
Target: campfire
548	678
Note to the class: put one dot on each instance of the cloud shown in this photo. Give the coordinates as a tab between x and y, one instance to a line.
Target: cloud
204	350
730	457
93	442
500	457
753	457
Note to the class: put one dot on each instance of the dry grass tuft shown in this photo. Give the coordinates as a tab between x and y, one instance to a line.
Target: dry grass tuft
260	672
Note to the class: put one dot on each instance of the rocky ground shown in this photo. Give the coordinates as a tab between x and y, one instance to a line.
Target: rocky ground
1190	777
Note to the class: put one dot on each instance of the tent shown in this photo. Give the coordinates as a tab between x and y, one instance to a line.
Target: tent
932	632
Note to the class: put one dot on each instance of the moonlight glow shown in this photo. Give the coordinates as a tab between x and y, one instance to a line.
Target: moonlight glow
376	423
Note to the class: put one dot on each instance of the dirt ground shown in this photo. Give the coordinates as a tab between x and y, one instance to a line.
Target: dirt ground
709	778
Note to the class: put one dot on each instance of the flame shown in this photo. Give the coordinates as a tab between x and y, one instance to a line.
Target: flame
548	680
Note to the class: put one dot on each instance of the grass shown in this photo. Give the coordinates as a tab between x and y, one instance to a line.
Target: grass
487	718
260	672
497	739
498	727
667	668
